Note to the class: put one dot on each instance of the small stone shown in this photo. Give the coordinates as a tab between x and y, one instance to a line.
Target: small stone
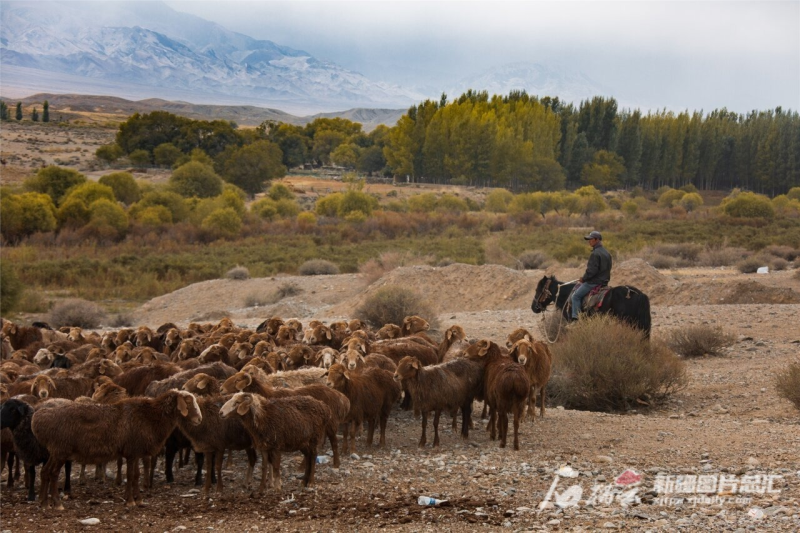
90	521
354	456
609	525
604	459
178	528
752	461
554	522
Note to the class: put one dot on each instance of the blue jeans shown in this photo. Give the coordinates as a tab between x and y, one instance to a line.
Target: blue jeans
578	294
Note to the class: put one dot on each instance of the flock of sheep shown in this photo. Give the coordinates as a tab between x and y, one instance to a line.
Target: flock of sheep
133	394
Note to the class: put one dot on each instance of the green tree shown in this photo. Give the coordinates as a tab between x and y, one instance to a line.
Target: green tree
691	201
46	111
90	191
224	222
328	205
748	205
345	155
140	158
604	171
195	179
109	152
670	197
547	174
166	154
279	191
172	201
73	213
264	208
35	115
371	160
3	111
25	214
125	188
251	166
354	200
105	214
497	201
422	203
18	114
54	181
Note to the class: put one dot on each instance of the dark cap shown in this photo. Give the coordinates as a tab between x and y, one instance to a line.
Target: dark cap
593	235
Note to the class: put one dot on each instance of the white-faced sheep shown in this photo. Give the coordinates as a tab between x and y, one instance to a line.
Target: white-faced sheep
538	361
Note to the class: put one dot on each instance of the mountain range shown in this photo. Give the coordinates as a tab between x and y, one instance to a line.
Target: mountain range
147	49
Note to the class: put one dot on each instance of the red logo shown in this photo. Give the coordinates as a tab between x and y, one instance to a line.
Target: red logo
628	477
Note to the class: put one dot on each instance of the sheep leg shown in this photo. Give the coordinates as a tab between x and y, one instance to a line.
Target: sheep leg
82	477
146	471
542	398
353	438
334	440
10	459
308	475
55	497
454	424
132	472
207	481
219	457
213	473
383	420
423	439
370	431
118	479
251	463
100	472
45	488
265	467
16	471
151	477
503	422
485	406
275	459
229	464
466	419
532	404
436	428
519	410
67	476
199	459
30	471
492	423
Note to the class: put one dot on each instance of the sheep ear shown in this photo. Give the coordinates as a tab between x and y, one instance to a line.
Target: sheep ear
202	384
415	364
346	375
182	406
484	347
328	334
243	407
527	338
448	335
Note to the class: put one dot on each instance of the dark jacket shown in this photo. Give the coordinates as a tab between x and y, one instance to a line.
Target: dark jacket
598	271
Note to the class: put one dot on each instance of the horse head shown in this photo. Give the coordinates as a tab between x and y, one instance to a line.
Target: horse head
545	293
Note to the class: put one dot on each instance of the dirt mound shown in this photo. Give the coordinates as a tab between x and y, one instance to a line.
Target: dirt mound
457	287
730	292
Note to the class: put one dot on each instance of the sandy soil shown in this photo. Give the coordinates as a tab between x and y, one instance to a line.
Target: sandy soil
728	421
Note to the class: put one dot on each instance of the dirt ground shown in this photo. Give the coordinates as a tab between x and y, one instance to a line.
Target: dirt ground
729	421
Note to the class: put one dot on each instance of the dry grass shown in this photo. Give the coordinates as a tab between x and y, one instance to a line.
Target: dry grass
535	260
788	384
604	365
285	290
238	273
553	326
390	305
76	312
121	320
374	269
721	257
784	252
699	341
749	265
778	264
318	267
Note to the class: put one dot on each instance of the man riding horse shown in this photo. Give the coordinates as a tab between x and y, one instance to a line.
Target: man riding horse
598	272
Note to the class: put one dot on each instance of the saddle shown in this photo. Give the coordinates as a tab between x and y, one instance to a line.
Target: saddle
594	300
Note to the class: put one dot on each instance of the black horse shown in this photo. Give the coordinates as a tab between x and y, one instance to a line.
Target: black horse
626	303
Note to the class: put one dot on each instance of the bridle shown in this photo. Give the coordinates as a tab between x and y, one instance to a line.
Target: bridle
545	294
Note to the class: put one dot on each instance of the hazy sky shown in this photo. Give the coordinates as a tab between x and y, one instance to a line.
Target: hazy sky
740	55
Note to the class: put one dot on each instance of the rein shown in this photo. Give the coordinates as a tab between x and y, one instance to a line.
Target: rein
546	294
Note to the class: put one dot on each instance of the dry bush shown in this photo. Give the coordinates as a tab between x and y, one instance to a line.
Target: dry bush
788	384
699	340
374	269
535	260
318	267
553	326
749	265
784	252
494	254
238	273
284	290
721	257
603	364
76	312
258	300
662	261
778	264
390	305
121	320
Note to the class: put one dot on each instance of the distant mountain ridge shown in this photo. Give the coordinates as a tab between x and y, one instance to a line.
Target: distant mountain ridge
243	115
148	43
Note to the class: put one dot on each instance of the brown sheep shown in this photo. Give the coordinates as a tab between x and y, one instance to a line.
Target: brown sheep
326	357
136	380
297	326
188	349
216	352
286	336
299	356
453	344
339	331
262	347
68	388
506	388
171	340
258	382
144	336
218	370
390	331
538	361
124	335
240	351
275	361
446	387
518	334
5	347
271	326
21	337
353	360
259	362
97	367
97	433
281	425
399	348
318	334
202	385
106	391
372	393
214	435
292	378
356	325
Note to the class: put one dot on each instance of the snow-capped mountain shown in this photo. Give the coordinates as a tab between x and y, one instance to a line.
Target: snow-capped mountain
148	44
536	78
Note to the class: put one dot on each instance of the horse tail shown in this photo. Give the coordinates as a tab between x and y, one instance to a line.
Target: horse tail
643	319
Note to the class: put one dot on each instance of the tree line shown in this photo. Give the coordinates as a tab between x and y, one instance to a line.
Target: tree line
5	113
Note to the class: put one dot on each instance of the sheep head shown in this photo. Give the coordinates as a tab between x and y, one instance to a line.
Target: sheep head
75	334
389	331
414	324
337	377
407	368
356	325
240	403
328	357
43	387
455	333
108	368
351	359
518	335
241	350
143	336
237	382
479	349
521	351
43	357
202	384
187	406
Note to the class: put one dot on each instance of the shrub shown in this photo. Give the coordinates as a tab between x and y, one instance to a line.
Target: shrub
238	273
25	214
778	264
306	219
195	179
76	313
257	300
287	208
328	206
124	186
279	191
10	288
661	261
224	222
264	208
172	201
121	320
105	213
166	154
670	197
284	290
317	267
353	200
525	202
788	384
54	181
140	158
448	202
603	364
373	269
73	213
534	260
784	252
422	203
748	205
355	216
390	305
553	326
497	201
109	152
691	201
250	166
89	192
630	208
699	340
720	257
794	193
749	265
